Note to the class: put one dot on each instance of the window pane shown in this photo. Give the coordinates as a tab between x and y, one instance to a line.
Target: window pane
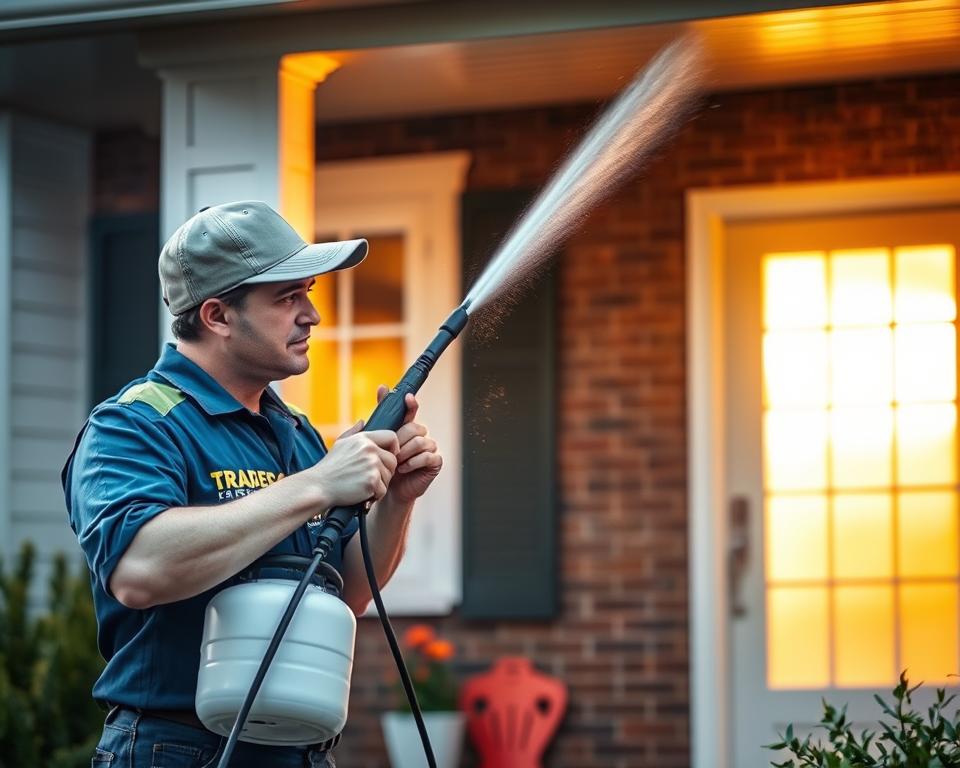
795	368
860	287
861	366
927	534
926	444
926	362
862	447
928	631
324	404
862	536
864	636
797	641
378	282
324	297
375	362
796	535
795	450
795	290
925	284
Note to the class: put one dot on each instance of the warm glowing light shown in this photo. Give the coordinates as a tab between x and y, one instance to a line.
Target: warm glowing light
375	362
796	538
795	290
797	637
928	631
311	66
860	287
926	362
795	450
862	536
795	368
324	297
863	636
927	444
925	288
324	373
927	534
861	441
861	365
864	341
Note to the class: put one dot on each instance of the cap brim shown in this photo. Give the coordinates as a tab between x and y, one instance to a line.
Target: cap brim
315	259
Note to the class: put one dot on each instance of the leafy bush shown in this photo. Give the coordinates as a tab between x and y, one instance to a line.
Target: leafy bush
48	664
910	741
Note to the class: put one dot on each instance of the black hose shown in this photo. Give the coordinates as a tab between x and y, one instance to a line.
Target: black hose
394	646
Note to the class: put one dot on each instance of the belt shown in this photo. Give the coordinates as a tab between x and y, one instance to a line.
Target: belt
189	717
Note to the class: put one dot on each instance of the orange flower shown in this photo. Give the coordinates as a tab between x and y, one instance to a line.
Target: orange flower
438	650
418	635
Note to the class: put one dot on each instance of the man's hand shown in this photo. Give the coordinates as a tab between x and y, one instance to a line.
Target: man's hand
359	467
418	461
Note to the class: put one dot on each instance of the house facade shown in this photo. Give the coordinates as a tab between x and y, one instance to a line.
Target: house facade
705	473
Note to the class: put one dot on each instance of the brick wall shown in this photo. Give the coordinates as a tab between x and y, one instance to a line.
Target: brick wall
621	640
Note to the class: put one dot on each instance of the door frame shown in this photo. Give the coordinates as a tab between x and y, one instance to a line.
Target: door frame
708	211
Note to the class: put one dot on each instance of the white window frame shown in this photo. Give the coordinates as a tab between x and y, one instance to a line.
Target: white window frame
418	196
708	212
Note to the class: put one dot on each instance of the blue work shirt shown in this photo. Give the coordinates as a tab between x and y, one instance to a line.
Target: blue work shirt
174	438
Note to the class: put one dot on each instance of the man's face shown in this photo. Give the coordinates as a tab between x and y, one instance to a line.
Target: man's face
270	332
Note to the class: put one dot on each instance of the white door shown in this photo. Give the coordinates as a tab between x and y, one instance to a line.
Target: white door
841	465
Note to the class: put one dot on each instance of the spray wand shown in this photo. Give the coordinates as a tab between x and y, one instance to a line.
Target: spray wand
389	414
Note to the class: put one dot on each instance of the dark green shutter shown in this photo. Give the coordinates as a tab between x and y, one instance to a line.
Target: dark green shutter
125	306
509	450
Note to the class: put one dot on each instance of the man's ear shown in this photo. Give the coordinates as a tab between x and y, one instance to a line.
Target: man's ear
213	316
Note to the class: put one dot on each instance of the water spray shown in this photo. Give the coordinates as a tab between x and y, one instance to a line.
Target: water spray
648	112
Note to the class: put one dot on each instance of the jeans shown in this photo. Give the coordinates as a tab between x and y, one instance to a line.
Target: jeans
133	740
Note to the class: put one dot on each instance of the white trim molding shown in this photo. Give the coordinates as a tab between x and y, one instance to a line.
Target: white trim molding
708	212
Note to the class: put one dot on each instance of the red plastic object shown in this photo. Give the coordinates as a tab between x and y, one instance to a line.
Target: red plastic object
512	713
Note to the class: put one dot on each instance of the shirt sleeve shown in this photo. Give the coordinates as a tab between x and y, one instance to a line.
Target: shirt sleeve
126	470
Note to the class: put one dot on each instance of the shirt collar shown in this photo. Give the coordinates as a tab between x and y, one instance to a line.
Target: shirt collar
193	380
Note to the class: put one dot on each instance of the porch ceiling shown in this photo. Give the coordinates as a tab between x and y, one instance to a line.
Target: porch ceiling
760	50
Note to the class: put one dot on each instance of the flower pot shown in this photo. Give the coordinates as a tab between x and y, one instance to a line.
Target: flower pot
445	730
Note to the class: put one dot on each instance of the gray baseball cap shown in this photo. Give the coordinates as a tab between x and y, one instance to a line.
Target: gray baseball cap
233	244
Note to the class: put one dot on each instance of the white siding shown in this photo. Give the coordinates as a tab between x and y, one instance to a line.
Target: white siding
44	330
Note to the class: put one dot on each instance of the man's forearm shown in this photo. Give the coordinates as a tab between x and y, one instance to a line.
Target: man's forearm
186	550
387	525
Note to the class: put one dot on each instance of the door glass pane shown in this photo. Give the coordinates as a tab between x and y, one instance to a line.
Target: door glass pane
861	365
378	282
926	363
795	450
862	536
860	287
795	368
864	636
324	405
797	637
374	362
796	538
927	534
795	290
928	631
926	444
925	284
862	447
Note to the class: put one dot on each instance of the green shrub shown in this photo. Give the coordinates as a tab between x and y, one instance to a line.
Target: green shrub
909	741
48	664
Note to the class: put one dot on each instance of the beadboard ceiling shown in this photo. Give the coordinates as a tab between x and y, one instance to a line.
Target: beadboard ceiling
761	50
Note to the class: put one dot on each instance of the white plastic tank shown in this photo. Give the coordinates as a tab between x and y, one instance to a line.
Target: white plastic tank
304	696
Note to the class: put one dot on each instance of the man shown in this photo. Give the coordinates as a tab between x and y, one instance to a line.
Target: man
193	472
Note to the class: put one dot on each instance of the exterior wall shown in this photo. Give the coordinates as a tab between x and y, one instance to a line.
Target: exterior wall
48	347
621	640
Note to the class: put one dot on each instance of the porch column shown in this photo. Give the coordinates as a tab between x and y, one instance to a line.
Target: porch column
240	131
